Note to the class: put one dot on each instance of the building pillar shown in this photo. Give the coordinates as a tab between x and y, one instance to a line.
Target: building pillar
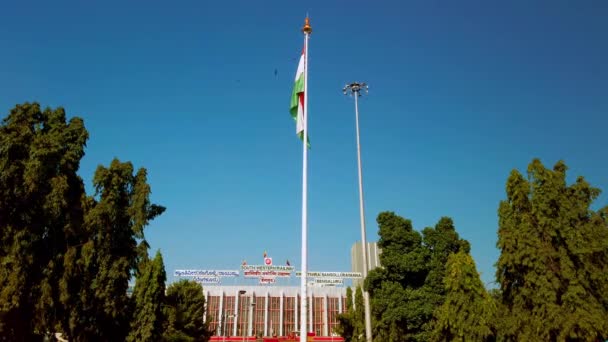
295	312
340	304
310	312
266	313
206	295
281	313
250	314
325	317
236	311
222	318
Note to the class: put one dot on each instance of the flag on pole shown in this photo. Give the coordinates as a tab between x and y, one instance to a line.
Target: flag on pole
300	95
297	100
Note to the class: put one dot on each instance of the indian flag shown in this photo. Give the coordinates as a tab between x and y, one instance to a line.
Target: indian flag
297	99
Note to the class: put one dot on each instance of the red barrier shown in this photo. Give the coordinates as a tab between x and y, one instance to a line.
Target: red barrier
310	337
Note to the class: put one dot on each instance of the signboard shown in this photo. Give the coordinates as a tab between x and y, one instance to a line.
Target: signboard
267	274
209	273
351	275
329	281
257	273
265	281
267	268
207	280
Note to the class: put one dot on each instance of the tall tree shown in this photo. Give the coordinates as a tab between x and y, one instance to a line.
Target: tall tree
468	310
149	295
553	266
409	286
65	258
349	299
185	304
345	327
358	316
441	242
96	281
40	213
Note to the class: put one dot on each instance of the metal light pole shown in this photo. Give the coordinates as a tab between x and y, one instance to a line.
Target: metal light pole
354	89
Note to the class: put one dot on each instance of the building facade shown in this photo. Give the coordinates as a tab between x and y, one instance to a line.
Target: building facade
356	259
271	310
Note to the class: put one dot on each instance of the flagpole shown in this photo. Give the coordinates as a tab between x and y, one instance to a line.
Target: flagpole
303	285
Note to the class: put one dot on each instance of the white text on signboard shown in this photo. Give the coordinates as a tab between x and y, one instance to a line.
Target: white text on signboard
331	274
208	273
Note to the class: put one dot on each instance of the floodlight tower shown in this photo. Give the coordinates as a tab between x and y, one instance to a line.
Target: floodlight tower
354	89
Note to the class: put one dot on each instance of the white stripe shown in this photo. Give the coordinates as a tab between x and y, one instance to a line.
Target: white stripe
300	118
300	70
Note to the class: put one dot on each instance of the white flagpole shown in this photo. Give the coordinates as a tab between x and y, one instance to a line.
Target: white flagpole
303	285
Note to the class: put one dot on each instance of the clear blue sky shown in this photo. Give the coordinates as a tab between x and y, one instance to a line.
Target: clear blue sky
461	92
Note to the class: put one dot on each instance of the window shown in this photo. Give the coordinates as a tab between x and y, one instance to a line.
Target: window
289	318
274	316
213	313
317	315
258	316
228	311
332	313
243	316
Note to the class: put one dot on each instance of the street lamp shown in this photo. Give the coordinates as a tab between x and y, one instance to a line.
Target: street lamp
354	89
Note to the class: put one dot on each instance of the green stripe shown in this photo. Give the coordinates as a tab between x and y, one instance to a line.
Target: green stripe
298	87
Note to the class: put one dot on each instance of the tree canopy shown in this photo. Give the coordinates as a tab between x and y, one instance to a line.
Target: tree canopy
553	266
184	308
351	324
41	214
148	297
408	287
468	310
345	326
66	258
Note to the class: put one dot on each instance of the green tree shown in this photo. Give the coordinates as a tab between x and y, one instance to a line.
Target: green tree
441	242
345	327
408	287
65	258
553	266
97	274
349	299
468	309
40	215
149	295
358	316
185	304
351	324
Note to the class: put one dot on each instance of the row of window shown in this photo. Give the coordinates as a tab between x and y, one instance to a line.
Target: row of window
246	309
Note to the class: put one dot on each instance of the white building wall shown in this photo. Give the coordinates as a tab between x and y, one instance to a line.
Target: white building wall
275	291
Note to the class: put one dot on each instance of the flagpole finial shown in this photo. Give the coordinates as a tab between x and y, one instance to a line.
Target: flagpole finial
307	29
